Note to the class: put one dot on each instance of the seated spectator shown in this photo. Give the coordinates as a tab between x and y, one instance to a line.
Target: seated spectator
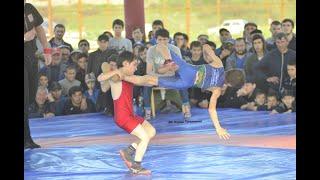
275	28
81	70
118	42
54	71
76	103
57	40
259	103
148	45
65	54
99	56
228	98
69	80
108	33
259	51
238	59
92	92
224	35
203	38
272	101
74	56
84	46
289	84
43	80
41	107
136	48
55	96
287	27
272	68
287	105
137	36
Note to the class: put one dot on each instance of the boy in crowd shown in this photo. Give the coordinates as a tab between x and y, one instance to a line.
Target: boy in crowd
92	92
56	97
137	36
69	80
287	105
272	101
81	70
43	80
118	42
289	84
259	103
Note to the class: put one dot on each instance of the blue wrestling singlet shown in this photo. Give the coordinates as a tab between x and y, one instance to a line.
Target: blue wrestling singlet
185	77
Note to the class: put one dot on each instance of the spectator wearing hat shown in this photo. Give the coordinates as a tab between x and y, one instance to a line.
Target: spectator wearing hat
224	35
99	56
55	95
77	103
57	40
82	70
55	70
84	46
239	57
137	36
69	80
92	92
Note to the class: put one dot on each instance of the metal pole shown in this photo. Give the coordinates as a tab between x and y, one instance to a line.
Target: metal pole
188	7
80	18
50	19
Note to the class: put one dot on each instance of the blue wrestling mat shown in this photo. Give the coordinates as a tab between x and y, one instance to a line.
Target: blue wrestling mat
86	147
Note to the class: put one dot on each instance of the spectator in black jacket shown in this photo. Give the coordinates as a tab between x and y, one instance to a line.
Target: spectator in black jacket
272	101
259	103
287	27
42	107
287	105
57	40
289	84
77	103
272	69
84	46
81	70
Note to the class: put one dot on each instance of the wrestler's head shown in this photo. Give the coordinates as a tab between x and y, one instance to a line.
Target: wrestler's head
127	62
235	78
162	36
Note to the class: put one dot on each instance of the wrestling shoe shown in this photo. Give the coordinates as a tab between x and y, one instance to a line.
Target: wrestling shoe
137	169
126	157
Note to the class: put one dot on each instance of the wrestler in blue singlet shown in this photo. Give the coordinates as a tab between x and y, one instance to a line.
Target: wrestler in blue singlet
208	76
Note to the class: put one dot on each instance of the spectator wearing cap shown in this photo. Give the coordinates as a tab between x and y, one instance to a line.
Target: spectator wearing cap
74	56
118	42
275	28
272	68
65	54
99	56
224	35
259	51
137	36
77	103
84	46
55	95
92	92
82	70
57	40
287	27
248	28
55	70
239	57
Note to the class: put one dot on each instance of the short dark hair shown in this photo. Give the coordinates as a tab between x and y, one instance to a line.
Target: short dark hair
108	32
177	34
59	26
258	36
163	33
289	20
203	35
259	92
240	39
82	55
113	58
256	31
74	89
70	67
83	40
42	74
118	22
125	56
272	94
250	24
287	93
223	29
195	44
235	77
281	35
186	37
103	37
292	62
276	23
212	44
157	22
55	86
136	27
141	49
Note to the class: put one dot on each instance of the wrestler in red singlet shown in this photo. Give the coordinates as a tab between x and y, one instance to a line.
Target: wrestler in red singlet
123	109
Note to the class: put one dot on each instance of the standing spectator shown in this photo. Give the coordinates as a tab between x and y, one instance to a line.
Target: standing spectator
275	28
57	40
259	51
84	46
69	80
272	68
287	27
55	71
65	54
99	56
42	107
137	36
289	84
239	57
82	70
248	28
203	38
118	42
92	92
43	80
76	103
224	35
